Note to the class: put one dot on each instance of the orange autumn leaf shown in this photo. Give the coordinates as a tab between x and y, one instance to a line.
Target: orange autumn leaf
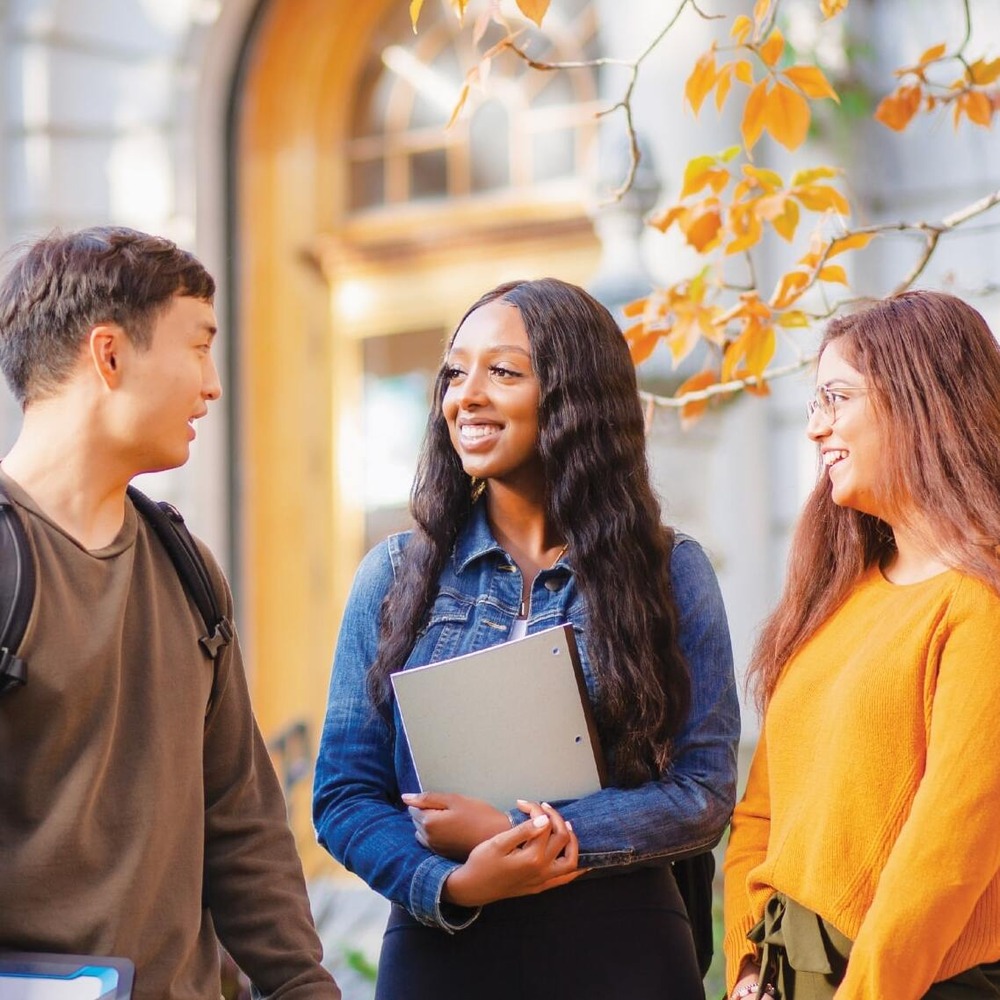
811	174
811	81
463	96
415	7
897	110
769	180
769	207
702	171
743	71
793	318
701	227
771	50
668	218
787	222
760	11
755	346
856	241
791	286
833	272
534	10
932	54
740	31
977	106
760	347
983	73
635	308
722	84
696	383
683	337
822	198
754	113
641	342
701	80
787	116
746	227
830	8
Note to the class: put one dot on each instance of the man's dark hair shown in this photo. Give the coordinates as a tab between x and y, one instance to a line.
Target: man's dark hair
63	284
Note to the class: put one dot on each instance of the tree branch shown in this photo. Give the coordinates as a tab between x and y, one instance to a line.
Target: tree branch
625	103
726	388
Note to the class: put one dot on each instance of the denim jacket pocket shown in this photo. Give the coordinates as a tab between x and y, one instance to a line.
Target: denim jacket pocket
446	626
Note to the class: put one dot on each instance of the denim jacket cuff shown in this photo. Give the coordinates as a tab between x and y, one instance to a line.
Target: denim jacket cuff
425	897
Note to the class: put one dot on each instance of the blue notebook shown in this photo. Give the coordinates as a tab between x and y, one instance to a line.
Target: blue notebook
36	976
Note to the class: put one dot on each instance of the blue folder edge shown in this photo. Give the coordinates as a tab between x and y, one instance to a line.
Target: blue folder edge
115	975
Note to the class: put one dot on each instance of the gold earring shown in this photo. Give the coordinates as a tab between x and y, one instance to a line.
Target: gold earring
478	486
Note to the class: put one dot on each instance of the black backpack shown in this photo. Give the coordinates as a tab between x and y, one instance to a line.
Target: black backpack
18	581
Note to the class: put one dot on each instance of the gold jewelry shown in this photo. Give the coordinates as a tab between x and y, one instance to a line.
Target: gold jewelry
477	487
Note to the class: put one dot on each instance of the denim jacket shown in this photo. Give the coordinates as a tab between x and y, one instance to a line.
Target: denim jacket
363	766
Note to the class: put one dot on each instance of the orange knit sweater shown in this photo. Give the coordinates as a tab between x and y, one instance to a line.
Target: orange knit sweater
874	795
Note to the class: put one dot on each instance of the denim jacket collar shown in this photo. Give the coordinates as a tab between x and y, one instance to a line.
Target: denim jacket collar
475	539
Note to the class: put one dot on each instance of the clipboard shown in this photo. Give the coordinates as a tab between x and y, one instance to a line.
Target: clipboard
508	722
39	976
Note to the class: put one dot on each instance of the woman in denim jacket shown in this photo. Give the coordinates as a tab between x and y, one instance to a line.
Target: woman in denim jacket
534	508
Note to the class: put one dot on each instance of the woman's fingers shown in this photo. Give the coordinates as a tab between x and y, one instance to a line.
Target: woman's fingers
523	833
561	835
425	800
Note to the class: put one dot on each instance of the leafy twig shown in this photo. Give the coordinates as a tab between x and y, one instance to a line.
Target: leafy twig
625	103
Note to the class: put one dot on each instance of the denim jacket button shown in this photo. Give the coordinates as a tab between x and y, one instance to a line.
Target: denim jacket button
554	583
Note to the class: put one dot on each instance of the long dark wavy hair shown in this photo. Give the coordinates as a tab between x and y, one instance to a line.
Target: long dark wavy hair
933	371
592	446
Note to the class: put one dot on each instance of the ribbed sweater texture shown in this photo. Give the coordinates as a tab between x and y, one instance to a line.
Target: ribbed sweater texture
873	798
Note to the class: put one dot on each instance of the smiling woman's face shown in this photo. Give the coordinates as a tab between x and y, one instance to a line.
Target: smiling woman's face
491	399
853	444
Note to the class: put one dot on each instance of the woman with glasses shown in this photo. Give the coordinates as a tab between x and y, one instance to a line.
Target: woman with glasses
864	857
534	508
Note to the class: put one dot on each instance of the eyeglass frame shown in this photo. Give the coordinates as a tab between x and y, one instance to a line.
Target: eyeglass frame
825	399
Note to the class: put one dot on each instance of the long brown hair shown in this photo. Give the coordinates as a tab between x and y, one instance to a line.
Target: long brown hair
933	372
592	445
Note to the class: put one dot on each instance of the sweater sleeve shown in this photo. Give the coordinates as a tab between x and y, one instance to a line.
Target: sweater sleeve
747	848
254	886
948	850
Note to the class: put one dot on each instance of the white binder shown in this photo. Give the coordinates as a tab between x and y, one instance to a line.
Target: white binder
512	721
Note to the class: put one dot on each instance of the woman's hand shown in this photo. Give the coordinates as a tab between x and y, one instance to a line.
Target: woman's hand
749	973
541	853
452	825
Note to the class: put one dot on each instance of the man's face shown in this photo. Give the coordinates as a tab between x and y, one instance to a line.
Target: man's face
168	385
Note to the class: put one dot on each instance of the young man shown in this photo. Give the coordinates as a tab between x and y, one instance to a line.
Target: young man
139	813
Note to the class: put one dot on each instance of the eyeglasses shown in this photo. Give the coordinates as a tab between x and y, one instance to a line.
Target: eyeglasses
828	398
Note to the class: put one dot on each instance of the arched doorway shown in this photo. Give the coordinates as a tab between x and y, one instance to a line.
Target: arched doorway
362	231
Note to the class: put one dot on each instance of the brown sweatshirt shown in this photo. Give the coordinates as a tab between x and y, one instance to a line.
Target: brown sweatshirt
131	823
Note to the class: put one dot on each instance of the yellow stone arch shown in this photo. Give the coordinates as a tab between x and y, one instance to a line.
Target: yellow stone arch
300	260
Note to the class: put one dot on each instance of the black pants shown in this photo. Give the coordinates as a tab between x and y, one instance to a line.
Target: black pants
609	938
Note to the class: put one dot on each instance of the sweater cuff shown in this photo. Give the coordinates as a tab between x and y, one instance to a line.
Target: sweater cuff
738	947
425	897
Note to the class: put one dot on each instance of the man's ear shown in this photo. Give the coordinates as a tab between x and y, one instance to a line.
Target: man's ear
105	348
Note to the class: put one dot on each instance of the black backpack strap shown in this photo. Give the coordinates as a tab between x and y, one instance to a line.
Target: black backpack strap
17	594
167	522
694	877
